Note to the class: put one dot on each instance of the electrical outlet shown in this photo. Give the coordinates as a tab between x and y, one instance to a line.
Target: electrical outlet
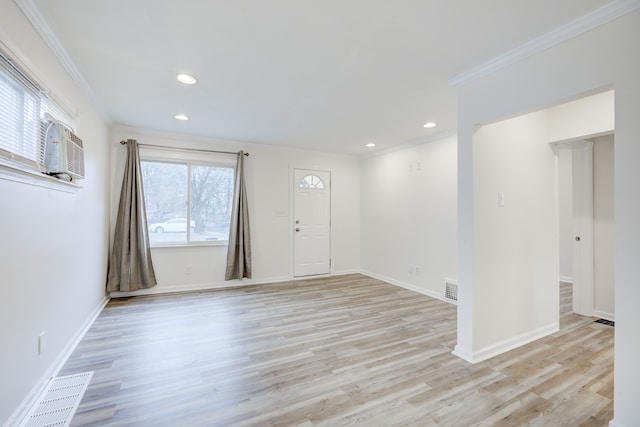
187	269
41	343
418	270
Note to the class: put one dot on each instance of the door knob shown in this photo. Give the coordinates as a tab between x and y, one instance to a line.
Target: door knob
577	238
297	229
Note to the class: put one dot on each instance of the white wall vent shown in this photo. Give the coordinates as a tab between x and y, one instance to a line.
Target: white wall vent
59	401
451	291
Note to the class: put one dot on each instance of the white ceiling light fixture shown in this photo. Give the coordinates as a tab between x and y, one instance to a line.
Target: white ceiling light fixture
182	117
429	125
187	79
370	145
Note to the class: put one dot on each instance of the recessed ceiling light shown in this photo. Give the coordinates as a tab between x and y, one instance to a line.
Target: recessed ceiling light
429	125
186	79
371	144
181	117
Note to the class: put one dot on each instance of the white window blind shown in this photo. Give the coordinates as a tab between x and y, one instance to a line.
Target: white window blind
55	109
21	128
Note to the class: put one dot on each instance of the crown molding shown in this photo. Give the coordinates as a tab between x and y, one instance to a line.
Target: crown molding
582	24
141	132
39	22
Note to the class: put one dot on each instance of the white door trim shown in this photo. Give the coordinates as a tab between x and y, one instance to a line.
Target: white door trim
582	224
583	249
292	184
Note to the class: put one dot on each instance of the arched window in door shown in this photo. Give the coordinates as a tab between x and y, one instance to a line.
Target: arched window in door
312	181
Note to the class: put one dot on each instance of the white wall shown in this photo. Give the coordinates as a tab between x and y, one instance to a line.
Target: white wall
606	56
587	116
603	227
269	184
408	202
54	244
516	246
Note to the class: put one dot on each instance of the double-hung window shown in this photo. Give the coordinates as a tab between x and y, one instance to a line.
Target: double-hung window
21	134
188	197
23	106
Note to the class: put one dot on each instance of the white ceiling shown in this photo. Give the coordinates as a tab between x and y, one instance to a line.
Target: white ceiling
327	75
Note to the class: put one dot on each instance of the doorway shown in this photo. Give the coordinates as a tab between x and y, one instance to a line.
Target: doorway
586	224
312	222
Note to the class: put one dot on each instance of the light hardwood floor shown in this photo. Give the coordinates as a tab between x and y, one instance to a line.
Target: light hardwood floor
330	352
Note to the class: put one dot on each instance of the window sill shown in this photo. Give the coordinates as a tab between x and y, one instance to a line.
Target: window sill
17	173
191	245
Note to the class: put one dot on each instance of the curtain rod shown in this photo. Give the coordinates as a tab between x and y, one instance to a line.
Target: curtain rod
123	142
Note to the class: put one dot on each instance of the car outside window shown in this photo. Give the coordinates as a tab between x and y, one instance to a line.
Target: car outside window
180	193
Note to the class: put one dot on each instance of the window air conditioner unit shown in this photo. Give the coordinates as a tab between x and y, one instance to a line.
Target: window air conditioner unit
64	152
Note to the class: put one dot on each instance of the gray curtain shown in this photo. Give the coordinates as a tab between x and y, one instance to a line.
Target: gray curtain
130	266
239	250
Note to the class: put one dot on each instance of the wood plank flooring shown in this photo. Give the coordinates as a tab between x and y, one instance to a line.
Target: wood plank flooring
329	352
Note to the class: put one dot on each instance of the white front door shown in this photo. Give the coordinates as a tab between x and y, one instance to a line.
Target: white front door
312	222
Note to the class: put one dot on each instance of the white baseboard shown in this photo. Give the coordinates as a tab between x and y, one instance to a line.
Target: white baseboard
604	315
409	286
34	394
509	344
462	354
167	289
191	287
566	279
345	272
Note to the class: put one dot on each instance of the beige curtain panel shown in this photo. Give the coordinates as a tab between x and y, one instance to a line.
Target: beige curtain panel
239	249
130	266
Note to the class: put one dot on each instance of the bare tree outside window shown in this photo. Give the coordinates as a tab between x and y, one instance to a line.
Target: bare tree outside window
211	197
178	213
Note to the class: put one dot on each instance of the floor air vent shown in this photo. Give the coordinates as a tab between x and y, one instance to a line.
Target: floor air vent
451	291
606	322
59	401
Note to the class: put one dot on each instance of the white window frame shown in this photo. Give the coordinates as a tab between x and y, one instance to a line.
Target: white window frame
188	158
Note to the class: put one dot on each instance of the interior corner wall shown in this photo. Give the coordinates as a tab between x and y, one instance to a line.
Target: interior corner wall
515	234
269	188
53	250
408	202
604	57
